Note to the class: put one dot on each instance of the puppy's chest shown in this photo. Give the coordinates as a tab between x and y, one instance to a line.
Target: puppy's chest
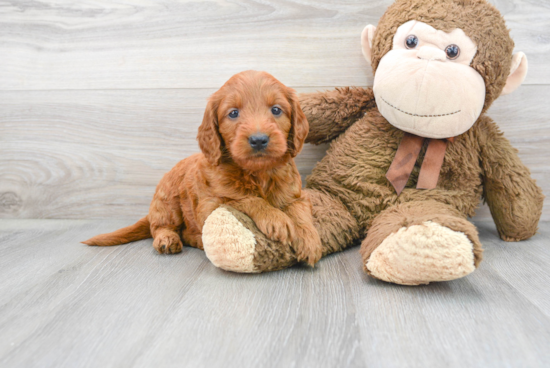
278	193
279	188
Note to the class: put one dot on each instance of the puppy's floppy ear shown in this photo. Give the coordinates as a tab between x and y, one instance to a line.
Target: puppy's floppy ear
300	126
209	137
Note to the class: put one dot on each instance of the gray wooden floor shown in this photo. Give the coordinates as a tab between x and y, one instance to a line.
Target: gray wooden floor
63	304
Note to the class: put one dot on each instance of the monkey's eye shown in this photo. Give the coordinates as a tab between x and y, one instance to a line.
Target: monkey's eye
411	42
452	51
276	110
234	114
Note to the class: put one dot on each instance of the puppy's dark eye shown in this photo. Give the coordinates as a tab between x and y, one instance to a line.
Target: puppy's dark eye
452	51
233	114
411	42
276	111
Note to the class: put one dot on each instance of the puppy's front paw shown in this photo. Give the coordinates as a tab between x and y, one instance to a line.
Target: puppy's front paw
308	246
277	226
167	242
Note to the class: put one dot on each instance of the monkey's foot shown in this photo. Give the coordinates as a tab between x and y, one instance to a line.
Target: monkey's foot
232	242
421	254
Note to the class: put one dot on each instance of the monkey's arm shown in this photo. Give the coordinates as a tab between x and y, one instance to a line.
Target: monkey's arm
513	196
330	113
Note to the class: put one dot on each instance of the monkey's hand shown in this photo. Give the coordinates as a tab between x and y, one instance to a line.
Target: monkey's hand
330	113
513	196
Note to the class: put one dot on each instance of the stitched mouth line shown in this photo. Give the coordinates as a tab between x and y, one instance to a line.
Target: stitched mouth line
420	116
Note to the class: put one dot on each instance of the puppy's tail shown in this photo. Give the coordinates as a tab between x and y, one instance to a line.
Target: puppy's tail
139	230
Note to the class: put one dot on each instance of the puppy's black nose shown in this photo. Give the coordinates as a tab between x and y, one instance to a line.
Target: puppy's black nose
258	142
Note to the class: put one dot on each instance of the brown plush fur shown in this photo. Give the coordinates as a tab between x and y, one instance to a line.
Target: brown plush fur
349	191
264	185
480	163
334	111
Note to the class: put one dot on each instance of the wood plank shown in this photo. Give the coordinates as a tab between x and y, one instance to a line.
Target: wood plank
128	303
100	154
478	321
127	44
524	265
66	304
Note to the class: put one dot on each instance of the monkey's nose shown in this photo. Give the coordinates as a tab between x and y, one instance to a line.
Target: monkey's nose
431	53
258	142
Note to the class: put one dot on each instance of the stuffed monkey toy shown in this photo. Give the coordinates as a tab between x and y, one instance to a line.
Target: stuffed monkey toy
410	158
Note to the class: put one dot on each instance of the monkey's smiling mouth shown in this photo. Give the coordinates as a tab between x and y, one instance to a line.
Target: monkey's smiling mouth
420	116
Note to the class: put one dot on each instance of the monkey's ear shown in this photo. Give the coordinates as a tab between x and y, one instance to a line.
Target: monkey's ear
518	71
367	36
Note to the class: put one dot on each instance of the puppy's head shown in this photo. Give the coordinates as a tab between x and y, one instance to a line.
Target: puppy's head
254	120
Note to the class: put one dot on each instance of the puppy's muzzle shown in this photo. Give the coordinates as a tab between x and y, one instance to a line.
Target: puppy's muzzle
258	142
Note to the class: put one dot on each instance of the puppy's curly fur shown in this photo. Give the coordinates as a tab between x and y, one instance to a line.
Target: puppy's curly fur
262	183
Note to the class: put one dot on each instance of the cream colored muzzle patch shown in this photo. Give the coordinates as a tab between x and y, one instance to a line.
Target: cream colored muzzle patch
421	254
422	91
432	99
227	243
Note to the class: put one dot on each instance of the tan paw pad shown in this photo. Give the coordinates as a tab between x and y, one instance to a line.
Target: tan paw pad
227	243
421	254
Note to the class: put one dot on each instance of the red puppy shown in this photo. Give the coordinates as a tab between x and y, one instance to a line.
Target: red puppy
251	130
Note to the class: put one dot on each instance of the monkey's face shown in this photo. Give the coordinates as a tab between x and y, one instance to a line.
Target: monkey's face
425	85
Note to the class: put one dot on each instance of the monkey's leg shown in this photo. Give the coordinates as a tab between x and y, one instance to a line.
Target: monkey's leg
336	226
420	242
232	241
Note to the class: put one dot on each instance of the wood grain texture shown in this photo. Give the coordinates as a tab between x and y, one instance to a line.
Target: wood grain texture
63	304
145	44
100	154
